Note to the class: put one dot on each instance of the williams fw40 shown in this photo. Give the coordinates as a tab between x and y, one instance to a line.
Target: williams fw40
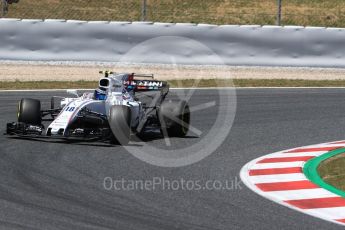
123	104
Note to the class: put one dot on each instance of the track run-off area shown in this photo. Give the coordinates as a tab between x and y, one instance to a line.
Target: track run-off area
58	185
286	178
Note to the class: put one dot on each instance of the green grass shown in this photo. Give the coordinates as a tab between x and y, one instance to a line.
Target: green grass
296	12
16	85
48	85
332	171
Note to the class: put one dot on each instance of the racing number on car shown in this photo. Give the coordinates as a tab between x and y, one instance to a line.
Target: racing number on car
70	109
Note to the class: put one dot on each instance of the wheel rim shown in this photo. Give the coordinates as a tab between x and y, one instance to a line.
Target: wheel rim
18	113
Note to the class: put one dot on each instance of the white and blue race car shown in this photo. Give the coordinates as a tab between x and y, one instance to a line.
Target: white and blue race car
123	104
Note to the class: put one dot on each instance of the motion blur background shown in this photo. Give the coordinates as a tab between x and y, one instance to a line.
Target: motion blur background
330	13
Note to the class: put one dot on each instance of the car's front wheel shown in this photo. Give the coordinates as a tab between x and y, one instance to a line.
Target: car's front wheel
29	111
119	122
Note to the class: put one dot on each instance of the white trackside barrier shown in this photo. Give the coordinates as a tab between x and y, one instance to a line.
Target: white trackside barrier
60	40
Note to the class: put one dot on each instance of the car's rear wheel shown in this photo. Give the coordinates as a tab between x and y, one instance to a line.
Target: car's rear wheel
29	111
174	118
119	122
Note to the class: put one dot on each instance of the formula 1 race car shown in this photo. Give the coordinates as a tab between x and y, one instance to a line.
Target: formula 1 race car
123	104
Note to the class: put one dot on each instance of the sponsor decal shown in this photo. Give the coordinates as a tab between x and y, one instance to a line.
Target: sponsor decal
144	84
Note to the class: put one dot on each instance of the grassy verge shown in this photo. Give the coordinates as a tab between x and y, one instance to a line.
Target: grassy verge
48	85
296	12
332	171
179	83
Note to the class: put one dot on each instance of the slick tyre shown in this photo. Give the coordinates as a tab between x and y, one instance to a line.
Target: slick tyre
119	122
29	111
174	118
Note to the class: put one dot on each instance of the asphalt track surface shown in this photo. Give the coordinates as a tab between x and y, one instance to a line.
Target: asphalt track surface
54	185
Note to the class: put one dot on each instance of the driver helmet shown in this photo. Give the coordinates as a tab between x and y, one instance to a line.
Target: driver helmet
100	94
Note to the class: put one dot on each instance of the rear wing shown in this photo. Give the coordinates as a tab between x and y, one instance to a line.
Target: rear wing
140	82
107	73
143	75
145	85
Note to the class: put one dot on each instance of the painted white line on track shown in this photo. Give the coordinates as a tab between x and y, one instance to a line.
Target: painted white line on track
335	213
53	90
300	154
300	194
188	88
277	178
278	165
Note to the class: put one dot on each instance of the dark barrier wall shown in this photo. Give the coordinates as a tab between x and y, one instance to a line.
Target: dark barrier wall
54	40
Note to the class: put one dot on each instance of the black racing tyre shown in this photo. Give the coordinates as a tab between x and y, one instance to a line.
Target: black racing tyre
119	122
29	111
174	118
